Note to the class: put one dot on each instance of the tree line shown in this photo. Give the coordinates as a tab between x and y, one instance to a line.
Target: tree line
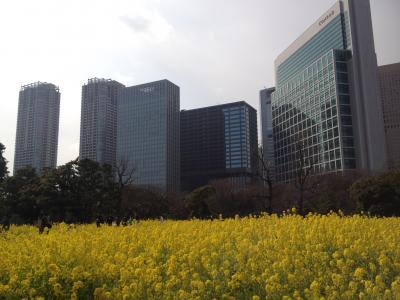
81	190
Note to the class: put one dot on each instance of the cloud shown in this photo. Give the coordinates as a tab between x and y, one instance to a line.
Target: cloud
150	24
215	52
137	23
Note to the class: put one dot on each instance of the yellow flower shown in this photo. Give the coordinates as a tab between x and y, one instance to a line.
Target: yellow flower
359	273
289	257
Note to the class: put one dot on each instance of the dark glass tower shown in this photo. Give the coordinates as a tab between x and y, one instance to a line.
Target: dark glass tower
218	142
267	130
389	79
148	133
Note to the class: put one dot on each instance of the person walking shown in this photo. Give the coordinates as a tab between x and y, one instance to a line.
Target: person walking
109	220
43	223
99	221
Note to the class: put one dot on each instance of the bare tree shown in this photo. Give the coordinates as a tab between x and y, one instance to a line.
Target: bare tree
265	174
304	168
124	172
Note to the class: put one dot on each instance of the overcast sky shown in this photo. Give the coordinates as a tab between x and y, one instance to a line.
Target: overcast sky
216	51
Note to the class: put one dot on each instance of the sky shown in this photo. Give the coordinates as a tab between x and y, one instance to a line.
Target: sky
216	51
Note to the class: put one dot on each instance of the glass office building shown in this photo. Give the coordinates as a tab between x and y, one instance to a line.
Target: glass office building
98	134
267	130
148	136
237	137
326	96
36	140
218	142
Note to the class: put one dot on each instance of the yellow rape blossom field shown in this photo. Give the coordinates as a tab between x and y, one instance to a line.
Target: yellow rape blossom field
269	257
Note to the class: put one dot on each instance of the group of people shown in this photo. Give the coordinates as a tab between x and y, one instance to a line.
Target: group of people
44	223
110	220
125	221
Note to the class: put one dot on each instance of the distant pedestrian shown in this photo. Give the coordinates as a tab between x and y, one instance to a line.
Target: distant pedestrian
99	221
109	220
43	223
5	224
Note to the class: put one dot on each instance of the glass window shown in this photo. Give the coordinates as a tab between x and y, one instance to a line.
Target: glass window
348	142
342	67
342	77
348	152
346	120
338	164
347	131
345	109
350	163
344	99
343	88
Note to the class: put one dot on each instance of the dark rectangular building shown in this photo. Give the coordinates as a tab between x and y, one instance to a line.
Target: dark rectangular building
389	79
218	142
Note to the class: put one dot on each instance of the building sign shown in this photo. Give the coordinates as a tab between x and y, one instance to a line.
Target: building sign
317	26
327	17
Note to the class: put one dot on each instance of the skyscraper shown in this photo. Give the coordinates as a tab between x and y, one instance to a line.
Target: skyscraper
37	126
218	142
326	96
99	120
267	132
389	79
148	133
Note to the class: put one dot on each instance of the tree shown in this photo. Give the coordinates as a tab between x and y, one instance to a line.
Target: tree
74	192
378	195
20	194
265	174
3	164
196	201
304	168
330	192
96	187
230	199
124	174
143	202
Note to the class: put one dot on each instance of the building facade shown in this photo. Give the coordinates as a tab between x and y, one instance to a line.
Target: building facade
218	142
98	133
267	130
148	135
37	126
389	79
326	99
